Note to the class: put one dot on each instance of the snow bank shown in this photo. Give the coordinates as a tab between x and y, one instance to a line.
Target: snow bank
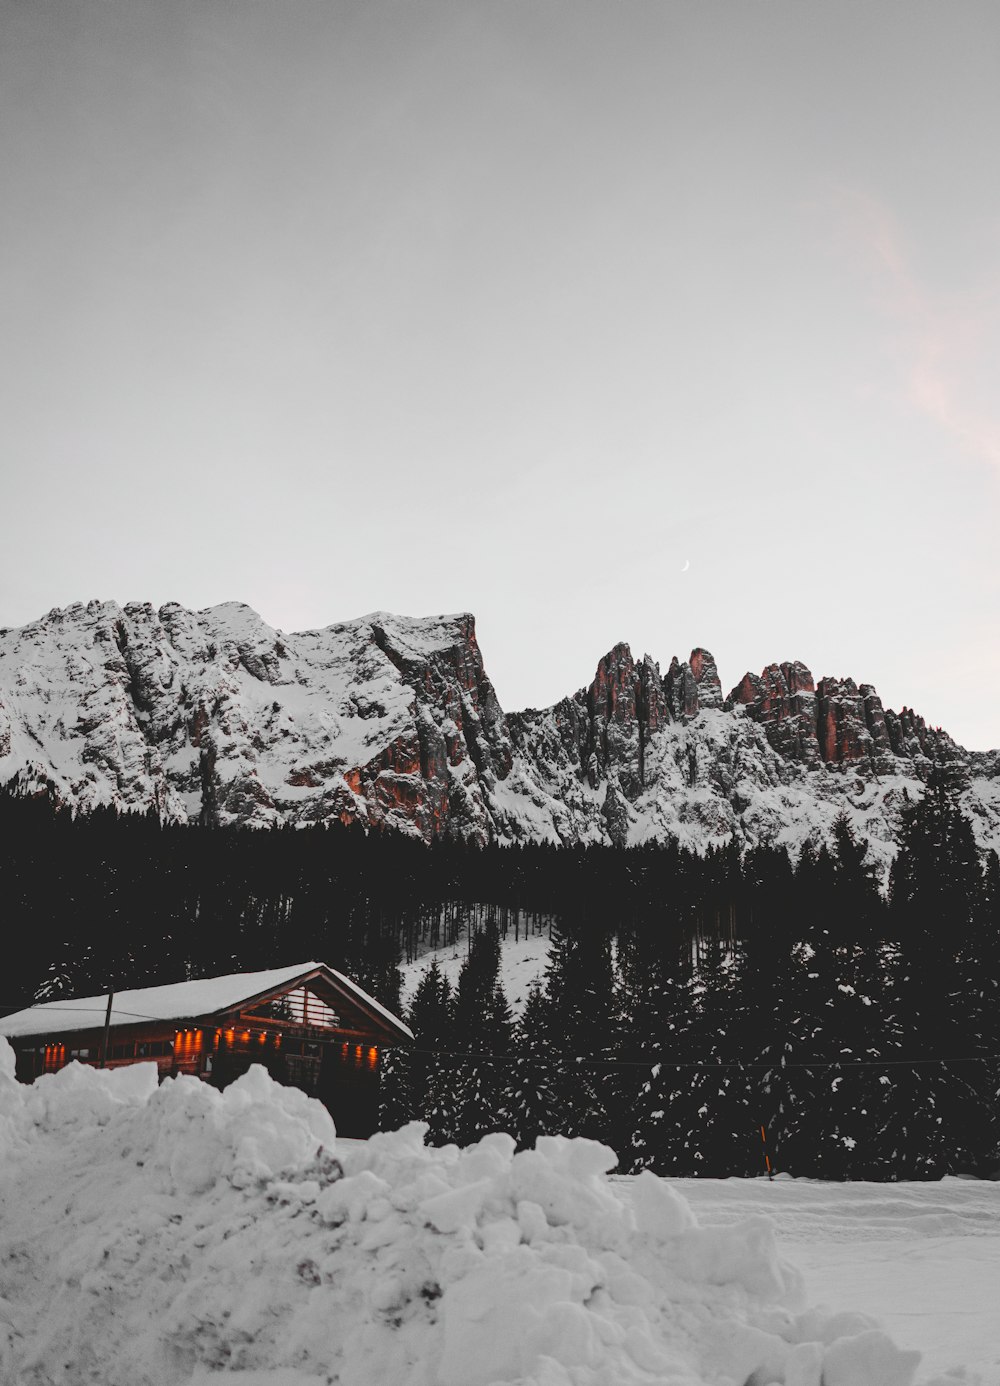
161	1236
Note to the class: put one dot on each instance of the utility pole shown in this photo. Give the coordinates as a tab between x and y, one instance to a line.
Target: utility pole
107	1028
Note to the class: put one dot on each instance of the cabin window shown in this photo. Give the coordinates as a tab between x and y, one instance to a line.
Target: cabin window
299	1007
79	1053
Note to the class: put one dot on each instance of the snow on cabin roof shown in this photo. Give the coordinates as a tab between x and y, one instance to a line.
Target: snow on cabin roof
179	1001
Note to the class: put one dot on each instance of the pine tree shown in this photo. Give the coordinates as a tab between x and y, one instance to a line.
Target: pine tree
942	1120
660	1023
431	1069
713	1098
771	1027
483	1030
843	1022
535	1100
580	994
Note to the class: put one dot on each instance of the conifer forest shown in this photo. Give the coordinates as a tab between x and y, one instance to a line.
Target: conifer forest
713	1014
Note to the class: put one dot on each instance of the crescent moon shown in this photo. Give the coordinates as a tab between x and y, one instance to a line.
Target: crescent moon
687	564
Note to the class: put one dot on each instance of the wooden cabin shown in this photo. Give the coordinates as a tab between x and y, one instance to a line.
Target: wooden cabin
309	1025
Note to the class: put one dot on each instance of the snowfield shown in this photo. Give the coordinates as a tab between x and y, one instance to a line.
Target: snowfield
522	963
175	1235
924	1257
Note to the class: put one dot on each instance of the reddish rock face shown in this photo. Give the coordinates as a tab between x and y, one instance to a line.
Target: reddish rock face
835	722
782	700
680	689
613	734
398	799
706	677
875	722
199	725
604	730
612	695
841	726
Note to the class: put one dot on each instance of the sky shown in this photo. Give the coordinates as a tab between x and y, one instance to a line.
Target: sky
670	323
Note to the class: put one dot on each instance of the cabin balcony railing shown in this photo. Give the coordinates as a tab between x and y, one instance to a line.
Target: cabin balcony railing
286	1027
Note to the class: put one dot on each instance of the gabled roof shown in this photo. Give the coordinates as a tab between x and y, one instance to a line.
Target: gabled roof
208	997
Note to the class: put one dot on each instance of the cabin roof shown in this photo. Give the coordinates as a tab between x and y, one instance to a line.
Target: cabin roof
210	996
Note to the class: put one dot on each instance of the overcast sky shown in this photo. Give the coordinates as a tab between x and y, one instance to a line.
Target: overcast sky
670	323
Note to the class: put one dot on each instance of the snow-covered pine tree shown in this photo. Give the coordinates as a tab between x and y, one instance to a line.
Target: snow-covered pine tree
483	1030
659	1035
535	1099
942	1121
431	1071
712	1103
985	993
841	1020
770	1026
580	1000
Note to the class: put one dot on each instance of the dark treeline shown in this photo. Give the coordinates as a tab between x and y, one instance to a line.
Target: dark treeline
123	900
689	1001
842	1034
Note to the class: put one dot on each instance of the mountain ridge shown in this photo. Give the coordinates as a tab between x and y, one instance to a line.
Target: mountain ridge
216	716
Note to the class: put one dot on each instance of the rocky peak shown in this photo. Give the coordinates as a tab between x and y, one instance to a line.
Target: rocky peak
611	698
612	735
706	677
393	722
782	699
652	705
606	729
834	722
681	691
691	685
909	735
841	726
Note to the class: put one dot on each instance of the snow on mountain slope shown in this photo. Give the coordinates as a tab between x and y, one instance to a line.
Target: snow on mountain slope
213	715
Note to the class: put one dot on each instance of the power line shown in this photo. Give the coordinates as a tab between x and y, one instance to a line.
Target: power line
50	1006
589	1061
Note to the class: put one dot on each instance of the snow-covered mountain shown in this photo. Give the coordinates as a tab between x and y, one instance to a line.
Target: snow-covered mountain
214	715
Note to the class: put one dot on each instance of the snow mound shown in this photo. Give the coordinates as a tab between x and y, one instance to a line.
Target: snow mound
160	1236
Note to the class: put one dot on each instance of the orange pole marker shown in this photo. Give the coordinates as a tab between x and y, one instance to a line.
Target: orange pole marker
767	1162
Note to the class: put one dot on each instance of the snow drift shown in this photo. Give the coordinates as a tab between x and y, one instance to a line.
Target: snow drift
159	1236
